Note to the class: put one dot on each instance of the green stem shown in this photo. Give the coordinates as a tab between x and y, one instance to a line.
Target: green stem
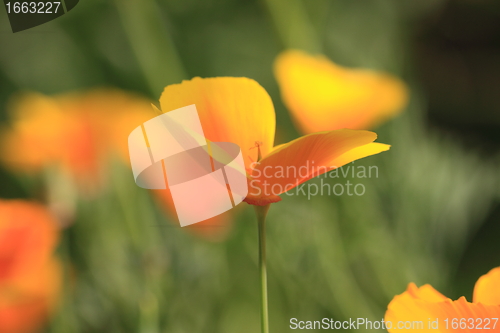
261	212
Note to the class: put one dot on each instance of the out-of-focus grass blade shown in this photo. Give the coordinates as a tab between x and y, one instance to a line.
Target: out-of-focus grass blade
293	26
151	42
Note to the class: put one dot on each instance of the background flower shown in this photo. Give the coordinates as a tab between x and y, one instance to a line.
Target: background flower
30	275
75	132
322	95
425	304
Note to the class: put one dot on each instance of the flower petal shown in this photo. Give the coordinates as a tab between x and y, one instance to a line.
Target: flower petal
30	276
424	305
410	306
28	236
27	309
324	96
312	155
231	109
36	134
487	289
76	131
360	152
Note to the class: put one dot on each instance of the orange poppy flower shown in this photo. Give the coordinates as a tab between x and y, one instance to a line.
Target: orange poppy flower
76	132
426	310
324	96
240	111
30	276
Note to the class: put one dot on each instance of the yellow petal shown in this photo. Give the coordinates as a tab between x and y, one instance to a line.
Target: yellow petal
231	109
410	307
487	289
426	293
309	156
324	96
360	152
419	307
35	136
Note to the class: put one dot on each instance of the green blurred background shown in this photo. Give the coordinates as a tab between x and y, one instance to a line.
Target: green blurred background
432	216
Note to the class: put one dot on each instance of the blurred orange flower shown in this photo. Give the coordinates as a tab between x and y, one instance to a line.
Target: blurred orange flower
323	96
76	132
440	314
240	111
30	275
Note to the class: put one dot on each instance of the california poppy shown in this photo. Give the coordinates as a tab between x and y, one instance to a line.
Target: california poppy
30	274
240	111
76	132
428	310
322	95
